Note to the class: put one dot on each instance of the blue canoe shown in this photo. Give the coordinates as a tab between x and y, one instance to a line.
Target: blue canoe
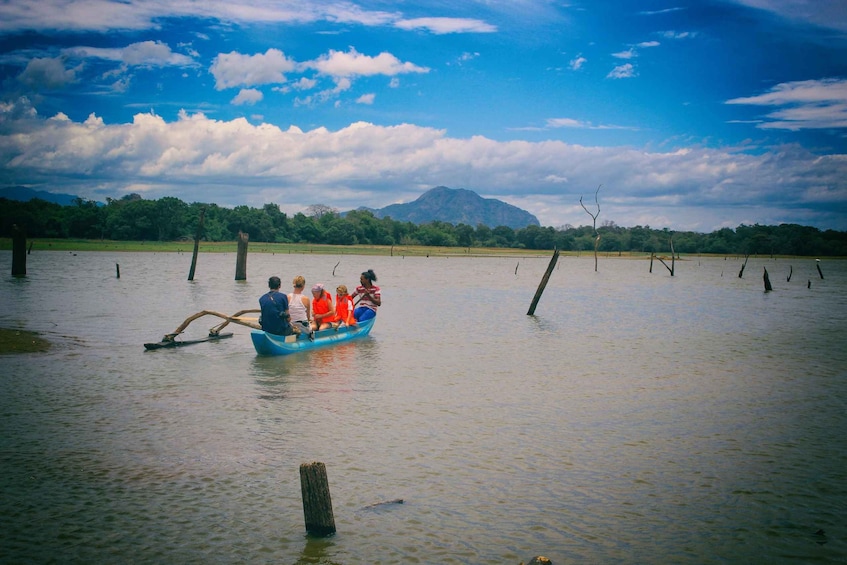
270	344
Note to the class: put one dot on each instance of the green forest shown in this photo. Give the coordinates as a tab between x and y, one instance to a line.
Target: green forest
133	218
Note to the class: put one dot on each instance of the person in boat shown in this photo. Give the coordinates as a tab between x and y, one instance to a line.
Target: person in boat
370	297
323	312
343	307
274	318
300	306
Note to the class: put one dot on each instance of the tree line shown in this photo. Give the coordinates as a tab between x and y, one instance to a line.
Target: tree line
132	218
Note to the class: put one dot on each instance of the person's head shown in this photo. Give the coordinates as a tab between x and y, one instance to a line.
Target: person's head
368	277
318	290
274	283
299	282
341	290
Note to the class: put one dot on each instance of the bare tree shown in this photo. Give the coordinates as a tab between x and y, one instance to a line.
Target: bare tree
594	225
319	210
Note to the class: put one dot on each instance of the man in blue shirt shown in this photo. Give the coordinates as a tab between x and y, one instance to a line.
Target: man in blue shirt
274	305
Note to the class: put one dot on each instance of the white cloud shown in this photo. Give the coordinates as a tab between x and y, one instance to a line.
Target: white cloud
577	62
622	71
371	165
352	63
247	96
809	104
47	73
824	13
628	54
446	25
646	44
234	69
366	99
144	53
578	124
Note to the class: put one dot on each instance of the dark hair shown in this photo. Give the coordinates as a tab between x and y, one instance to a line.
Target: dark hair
274	283
370	275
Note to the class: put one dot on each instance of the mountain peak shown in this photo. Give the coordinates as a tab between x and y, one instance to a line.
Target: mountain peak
458	206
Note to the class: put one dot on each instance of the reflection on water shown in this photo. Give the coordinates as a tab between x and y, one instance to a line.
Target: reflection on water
635	418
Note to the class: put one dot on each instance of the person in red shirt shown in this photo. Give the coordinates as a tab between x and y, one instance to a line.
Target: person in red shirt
323	312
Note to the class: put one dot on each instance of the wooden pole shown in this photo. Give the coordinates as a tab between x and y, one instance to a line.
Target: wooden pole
317	504
117	270
767	280
197	237
543	282
241	257
741	272
652	256
818	265
18	251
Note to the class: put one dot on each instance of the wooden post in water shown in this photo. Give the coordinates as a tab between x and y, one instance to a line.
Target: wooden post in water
767	280
198	234
818	265
741	272
317	504
117	270
241	257
543	282
18	251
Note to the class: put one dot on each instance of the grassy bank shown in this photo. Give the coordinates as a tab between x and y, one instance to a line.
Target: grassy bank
75	245
21	341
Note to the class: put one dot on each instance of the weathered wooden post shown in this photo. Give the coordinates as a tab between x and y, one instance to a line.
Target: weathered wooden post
767	280
241	257
18	251
543	282
652	256
741	272
818	265
317	504
790	272
117	270
197	235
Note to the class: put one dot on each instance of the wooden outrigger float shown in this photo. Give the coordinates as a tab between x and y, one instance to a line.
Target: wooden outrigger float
169	340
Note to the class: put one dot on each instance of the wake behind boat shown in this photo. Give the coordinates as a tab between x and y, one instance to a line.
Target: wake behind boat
270	344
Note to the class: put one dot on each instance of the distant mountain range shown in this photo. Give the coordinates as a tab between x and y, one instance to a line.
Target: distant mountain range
25	194
458	206
454	206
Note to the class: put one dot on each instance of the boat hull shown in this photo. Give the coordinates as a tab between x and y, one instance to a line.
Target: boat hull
270	344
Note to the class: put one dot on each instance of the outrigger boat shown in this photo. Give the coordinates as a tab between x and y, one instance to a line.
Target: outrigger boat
265	343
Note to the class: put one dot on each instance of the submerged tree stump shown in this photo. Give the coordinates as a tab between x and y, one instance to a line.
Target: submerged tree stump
18	251
543	284
241	257
317	503
767	280
197	237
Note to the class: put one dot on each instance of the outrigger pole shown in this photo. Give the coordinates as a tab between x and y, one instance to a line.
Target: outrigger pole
169	340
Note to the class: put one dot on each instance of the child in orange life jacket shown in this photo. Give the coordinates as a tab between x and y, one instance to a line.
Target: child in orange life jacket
344	307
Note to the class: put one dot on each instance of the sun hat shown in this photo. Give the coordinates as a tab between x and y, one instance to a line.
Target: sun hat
318	287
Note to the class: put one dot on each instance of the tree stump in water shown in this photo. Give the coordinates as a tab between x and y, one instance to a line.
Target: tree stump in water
18	252
317	503
241	257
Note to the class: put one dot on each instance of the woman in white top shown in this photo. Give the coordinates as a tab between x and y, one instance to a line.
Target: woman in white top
300	306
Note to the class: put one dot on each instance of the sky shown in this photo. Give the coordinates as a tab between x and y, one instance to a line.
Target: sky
685	114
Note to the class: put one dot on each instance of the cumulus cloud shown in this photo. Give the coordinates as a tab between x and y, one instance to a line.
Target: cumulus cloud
370	165
808	104
247	96
235	69
366	99
46	73
622	71
577	62
352	63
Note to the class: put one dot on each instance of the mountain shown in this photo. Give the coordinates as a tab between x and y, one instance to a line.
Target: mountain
25	194
458	206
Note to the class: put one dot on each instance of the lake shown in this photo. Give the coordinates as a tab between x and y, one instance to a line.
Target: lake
636	418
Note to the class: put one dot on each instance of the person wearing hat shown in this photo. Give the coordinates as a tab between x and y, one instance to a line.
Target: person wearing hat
323	312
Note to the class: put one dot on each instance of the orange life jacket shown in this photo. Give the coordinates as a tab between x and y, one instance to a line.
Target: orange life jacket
344	309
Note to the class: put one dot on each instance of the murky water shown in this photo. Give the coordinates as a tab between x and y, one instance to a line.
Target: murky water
637	418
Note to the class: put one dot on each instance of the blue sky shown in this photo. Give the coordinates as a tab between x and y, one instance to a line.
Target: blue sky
692	115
